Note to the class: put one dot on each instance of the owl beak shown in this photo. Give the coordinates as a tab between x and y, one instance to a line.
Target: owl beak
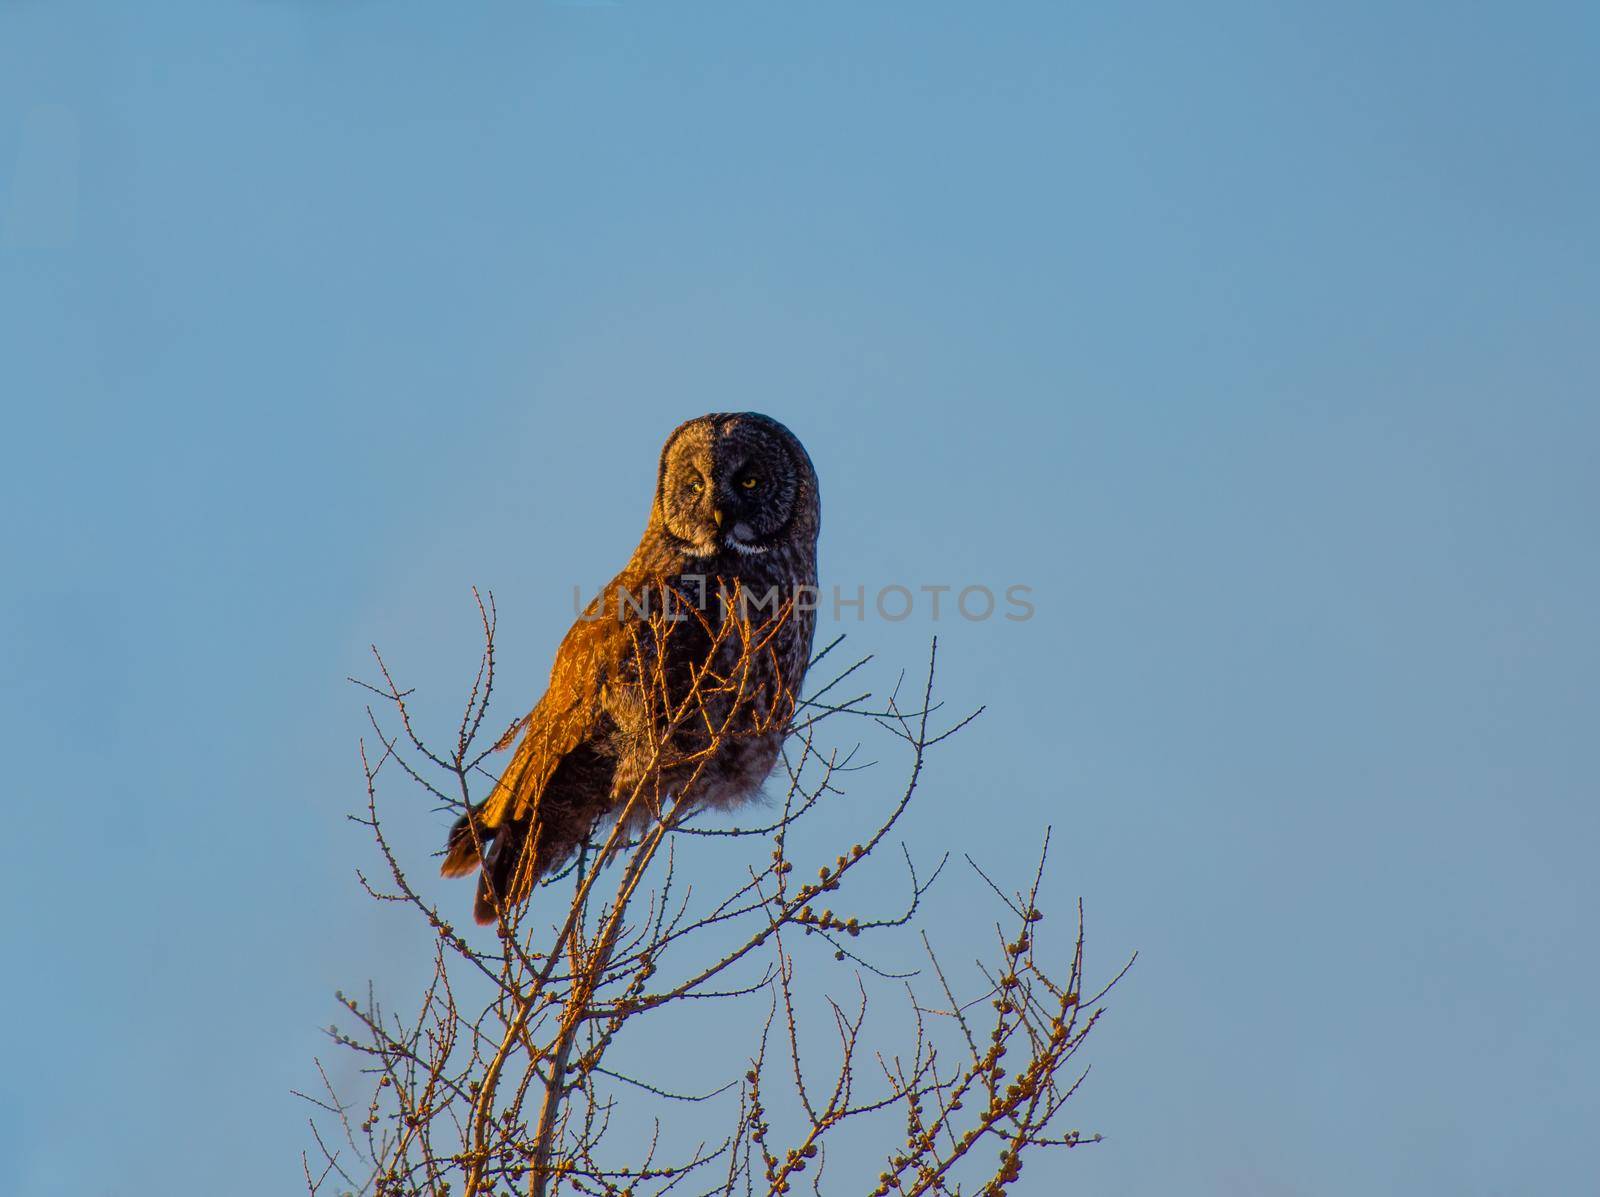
717	517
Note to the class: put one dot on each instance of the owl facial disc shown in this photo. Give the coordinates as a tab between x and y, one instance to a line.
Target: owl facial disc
734	481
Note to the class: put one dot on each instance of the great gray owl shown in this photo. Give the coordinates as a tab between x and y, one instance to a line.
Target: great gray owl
679	682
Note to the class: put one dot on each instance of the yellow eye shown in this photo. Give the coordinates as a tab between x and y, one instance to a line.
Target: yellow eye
749	483
697	485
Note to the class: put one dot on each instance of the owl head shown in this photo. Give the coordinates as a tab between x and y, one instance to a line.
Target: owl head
739	481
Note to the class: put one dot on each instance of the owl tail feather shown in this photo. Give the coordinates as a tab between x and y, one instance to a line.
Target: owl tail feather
508	867
462	847
507	877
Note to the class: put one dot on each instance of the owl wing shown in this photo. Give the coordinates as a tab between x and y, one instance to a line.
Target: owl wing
567	715
558	782
559	723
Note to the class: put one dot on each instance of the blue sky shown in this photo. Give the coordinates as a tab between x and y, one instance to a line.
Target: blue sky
1258	339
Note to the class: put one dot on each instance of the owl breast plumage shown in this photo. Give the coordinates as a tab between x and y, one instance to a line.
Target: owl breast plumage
677	685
